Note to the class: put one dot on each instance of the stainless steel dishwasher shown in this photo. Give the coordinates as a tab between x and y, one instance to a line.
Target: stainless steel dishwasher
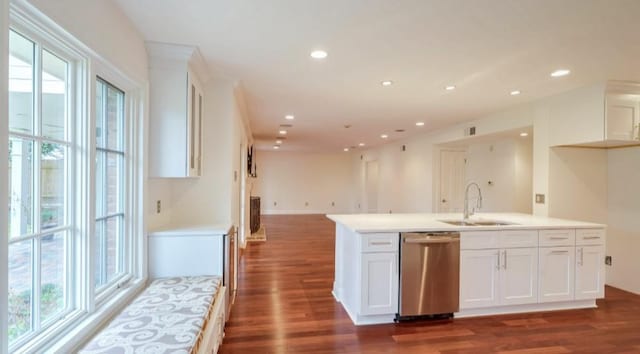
429	274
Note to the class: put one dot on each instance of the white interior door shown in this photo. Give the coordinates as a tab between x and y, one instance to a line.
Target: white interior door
452	172
371	186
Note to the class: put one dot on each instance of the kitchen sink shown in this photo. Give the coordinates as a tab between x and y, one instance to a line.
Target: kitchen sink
476	222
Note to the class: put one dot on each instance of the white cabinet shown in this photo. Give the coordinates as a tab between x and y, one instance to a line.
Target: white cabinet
379	283
590	274
519	276
622	116
606	114
176	98
502	276
479	278
556	273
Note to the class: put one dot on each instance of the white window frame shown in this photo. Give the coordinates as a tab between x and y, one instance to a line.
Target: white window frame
92	308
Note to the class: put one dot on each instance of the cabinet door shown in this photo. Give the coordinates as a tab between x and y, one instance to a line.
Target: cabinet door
519	276
621	117
379	284
556	274
589	272
479	273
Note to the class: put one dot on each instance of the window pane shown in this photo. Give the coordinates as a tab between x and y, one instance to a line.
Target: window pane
114	114
20	187
52	286
113	233
99	254
100	184
114	183
54	96
21	54
20	288
52	185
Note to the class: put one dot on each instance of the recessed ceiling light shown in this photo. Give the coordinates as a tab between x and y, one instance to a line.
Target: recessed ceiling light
419	124
346	149
387	83
361	144
524	134
450	88
289	117
560	72
384	136
319	54
278	141
514	92
283	132
276	147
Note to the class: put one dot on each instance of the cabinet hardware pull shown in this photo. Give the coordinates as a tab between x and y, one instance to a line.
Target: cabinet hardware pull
380	243
498	255
559	238
581	250
559	252
505	259
591	237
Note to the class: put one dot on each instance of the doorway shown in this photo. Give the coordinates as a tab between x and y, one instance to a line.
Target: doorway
452	178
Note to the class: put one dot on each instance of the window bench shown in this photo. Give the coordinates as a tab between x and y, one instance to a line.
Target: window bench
173	315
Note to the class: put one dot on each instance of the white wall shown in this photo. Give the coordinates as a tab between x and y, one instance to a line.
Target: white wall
578	184
623	230
303	183
506	163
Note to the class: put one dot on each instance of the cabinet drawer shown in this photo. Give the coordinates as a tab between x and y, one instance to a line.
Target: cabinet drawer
563	237
518	238
478	240
384	242
590	237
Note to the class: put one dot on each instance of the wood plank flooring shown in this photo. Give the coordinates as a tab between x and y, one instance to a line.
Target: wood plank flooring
284	305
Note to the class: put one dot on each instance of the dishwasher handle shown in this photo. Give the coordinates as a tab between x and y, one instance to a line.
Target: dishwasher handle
439	239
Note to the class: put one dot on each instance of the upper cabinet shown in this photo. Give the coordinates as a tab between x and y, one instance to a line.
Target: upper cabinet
621	117
176	77
602	115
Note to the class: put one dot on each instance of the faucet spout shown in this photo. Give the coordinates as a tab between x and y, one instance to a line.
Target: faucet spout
467	212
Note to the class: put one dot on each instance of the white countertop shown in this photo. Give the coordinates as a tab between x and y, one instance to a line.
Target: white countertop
366	223
193	230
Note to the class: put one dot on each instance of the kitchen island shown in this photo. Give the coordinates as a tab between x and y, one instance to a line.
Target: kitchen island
509	263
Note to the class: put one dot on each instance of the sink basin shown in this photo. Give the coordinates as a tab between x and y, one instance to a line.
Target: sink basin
458	222
475	222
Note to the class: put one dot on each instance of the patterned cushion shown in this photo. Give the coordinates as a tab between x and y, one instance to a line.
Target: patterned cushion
168	317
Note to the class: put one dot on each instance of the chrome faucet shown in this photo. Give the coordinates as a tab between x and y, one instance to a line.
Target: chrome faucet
468	213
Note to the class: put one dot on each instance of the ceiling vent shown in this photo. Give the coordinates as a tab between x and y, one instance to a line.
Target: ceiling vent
470	131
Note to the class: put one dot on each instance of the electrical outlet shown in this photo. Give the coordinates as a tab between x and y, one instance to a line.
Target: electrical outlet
333	203
608	260
306	203
158	206
540	198
275	203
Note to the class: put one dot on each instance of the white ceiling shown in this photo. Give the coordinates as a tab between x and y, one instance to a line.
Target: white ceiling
486	48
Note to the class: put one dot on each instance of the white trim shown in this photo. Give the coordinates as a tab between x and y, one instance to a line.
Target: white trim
84	330
527	308
4	166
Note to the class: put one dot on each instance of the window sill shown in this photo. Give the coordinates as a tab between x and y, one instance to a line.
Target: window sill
80	330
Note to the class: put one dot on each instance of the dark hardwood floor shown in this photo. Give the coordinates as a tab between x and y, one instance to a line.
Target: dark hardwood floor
284	305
